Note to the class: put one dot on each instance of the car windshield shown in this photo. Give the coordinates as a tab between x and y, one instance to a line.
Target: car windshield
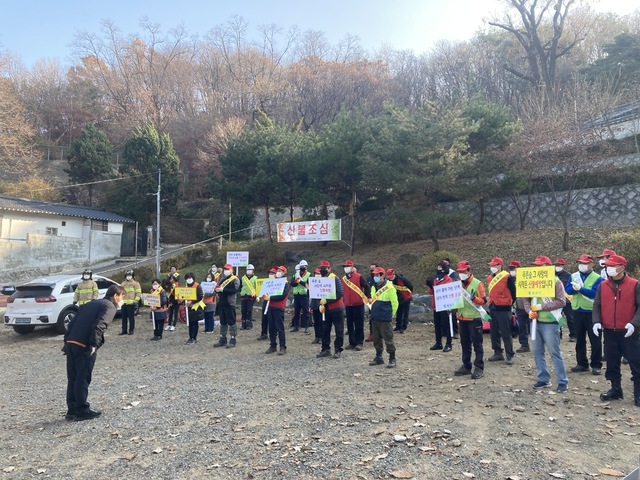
33	291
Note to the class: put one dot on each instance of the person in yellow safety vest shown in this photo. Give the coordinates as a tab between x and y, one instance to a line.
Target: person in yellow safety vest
195	308
132	294
247	298
383	306
228	287
86	290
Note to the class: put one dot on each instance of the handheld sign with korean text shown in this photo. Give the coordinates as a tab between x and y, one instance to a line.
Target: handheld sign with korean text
448	296
273	286
185	293
536	282
238	259
322	287
151	300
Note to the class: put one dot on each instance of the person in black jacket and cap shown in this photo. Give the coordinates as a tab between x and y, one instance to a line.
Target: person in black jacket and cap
81	342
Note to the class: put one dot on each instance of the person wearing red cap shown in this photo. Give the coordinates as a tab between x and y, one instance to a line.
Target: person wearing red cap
405	292
314	306
264	327
502	294
356	294
522	317
616	311
334	315
227	288
470	318
275	316
582	286
602	258
567	311
440	319
547	312
300	288
383	306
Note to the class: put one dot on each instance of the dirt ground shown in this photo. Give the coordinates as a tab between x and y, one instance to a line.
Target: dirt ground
175	411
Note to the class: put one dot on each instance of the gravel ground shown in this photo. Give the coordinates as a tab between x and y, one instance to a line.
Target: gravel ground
172	411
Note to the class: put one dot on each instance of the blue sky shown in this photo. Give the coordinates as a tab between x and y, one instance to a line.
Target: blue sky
45	29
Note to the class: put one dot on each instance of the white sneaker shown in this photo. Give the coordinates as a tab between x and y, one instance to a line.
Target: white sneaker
167	328
172	328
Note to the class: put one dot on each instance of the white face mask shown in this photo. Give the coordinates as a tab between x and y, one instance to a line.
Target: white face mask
559	269
128	277
228	272
189	281
317	275
249	272
512	273
612	271
347	270
86	277
154	286
494	269
214	269
583	268
209	279
278	274
272	275
463	276
601	262
120	303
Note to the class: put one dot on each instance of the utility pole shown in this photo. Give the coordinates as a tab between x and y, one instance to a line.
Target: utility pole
158	227
229	221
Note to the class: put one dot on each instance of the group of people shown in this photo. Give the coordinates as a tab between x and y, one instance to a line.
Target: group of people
596	306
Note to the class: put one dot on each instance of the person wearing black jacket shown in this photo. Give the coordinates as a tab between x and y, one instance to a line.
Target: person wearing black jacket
404	289
564	277
84	337
227	289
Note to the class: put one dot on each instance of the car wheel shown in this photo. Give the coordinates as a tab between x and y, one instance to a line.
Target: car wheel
65	319
24	329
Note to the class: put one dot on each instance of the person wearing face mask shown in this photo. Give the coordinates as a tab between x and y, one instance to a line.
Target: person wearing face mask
440	319
616	312
275	316
602	258
383	306
195	308
300	287
84	337
582	286
522	317
159	314
86	290
213	271
502	294
247	298
227	289
174	304
314	306
356	294
333	315
132	296
209	300
372	283
404	288
470	326
265	321
567	311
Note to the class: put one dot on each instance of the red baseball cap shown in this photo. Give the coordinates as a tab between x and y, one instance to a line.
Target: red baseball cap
273	269
390	272
560	261
584	258
541	261
615	260
606	253
228	266
283	268
348	263
514	263
495	261
463	265
378	270
324	263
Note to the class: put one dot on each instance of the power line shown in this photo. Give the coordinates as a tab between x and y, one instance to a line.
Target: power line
93	183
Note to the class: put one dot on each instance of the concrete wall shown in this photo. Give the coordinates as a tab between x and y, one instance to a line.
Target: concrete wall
16	225
47	254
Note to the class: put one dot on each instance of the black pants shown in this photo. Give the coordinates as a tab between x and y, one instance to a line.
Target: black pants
194	317
568	314
246	311
333	318
127	312
471	335
402	315
583	329
523	327
317	323
501	321
441	324
79	368
264	327
227	314
617	346
300	311
355	324
275	318
174	309
158	324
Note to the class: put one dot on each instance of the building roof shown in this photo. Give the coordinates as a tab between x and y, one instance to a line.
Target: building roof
14	204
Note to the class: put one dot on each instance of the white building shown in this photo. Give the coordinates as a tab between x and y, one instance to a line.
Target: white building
38	238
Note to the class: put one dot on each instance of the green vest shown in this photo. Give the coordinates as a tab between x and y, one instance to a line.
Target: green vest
301	289
468	311
545	316
245	291
579	301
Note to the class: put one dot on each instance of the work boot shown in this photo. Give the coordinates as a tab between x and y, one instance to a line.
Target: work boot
232	342
221	343
462	371
392	361
377	360
477	373
271	350
614	393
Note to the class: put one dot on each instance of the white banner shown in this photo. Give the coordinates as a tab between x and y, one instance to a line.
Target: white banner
316	231
238	259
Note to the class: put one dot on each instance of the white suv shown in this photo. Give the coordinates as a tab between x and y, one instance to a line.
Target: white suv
46	301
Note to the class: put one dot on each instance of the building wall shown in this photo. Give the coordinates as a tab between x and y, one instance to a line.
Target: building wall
17	225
